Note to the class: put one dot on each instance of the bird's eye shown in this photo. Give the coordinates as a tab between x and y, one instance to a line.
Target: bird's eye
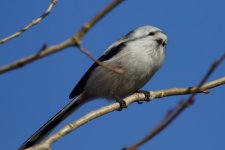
151	33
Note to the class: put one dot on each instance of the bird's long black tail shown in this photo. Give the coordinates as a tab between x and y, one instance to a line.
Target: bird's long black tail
42	132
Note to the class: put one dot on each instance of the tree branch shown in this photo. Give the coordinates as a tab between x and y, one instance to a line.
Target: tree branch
86	52
33	23
112	107
75	40
181	106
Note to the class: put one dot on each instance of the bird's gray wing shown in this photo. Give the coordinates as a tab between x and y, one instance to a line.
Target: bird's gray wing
111	51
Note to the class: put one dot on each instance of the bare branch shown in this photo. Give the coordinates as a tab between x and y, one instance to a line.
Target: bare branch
33	23
181	106
86	52
73	41
131	99
78	36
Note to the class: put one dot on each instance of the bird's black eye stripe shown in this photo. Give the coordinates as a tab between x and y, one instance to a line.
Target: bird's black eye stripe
151	33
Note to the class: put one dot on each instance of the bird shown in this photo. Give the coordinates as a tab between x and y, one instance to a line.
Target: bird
138	55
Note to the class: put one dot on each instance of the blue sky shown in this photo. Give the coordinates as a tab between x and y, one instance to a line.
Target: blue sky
31	95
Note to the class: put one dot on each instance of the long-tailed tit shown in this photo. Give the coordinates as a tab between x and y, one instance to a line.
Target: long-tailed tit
139	54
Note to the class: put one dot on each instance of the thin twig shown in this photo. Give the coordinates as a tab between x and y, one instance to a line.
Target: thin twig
75	40
86	52
79	35
181	106
46	144
33	23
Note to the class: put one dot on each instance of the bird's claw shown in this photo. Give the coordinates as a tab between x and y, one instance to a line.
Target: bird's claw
121	102
147	94
139	102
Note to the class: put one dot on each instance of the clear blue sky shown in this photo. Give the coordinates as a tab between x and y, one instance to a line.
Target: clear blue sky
31	95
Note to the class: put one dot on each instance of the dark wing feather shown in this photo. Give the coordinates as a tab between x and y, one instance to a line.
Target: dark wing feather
81	84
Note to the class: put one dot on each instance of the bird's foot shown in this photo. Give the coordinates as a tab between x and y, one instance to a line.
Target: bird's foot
121	102
148	96
139	102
